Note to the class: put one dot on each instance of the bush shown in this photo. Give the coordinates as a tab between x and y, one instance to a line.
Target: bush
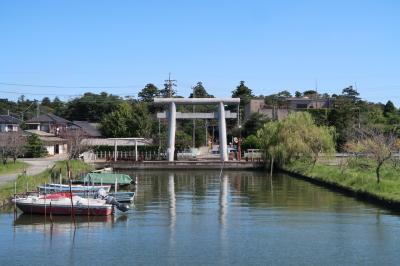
34	147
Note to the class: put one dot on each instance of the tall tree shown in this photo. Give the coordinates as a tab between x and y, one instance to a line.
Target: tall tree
129	120
351	94
91	106
389	108
244	93
46	102
148	93
200	91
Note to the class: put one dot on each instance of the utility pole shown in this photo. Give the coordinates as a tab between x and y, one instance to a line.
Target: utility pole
170	84
37	109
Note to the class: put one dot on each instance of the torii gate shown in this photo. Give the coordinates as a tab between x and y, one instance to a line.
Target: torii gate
221	115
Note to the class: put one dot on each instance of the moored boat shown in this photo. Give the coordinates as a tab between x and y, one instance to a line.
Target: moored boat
65	203
50	188
106	179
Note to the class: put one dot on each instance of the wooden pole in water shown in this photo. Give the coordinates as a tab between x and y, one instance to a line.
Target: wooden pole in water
51	215
45	196
15	202
70	193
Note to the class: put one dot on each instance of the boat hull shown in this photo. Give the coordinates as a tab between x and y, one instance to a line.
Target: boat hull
65	209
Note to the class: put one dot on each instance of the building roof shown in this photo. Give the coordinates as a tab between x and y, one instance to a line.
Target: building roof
89	128
52	140
47	138
48	118
8	119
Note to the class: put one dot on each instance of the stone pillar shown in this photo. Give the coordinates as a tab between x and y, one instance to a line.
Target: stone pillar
136	154
171	131
115	151
223	148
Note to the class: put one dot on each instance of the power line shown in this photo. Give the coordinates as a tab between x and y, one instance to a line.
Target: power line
69	87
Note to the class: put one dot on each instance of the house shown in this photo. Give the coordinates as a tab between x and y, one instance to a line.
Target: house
9	123
49	123
53	144
288	105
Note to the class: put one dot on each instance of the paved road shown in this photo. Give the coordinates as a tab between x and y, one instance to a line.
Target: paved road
37	165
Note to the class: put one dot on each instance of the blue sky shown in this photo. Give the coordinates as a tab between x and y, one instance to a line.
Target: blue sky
272	45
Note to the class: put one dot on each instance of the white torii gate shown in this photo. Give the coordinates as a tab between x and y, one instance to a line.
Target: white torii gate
172	115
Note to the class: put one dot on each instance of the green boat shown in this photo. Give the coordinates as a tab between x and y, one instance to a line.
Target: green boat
107	179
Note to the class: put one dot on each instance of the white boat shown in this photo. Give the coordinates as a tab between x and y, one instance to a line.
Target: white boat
65	203
103	170
50	188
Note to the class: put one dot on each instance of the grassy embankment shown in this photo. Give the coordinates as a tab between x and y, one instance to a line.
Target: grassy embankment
359	178
11	167
24	181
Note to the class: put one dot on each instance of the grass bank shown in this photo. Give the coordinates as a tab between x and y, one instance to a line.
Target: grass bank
49	175
11	168
358	179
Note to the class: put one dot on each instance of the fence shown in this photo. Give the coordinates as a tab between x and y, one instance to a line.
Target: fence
130	156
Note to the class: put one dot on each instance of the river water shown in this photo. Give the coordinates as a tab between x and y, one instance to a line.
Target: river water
198	218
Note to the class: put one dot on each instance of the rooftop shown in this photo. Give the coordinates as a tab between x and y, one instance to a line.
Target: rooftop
8	119
48	118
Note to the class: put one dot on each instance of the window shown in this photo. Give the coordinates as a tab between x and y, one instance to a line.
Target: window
301	106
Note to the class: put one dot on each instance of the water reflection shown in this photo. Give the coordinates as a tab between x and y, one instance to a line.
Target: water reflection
196	217
223	201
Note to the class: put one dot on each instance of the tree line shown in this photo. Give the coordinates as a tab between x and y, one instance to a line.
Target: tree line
127	116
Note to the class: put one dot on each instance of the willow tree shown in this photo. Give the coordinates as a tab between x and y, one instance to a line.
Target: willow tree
296	136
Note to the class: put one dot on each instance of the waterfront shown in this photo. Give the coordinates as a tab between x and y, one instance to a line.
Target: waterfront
197	218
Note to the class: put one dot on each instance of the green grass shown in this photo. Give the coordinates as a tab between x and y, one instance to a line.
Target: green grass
359	177
50	175
11	168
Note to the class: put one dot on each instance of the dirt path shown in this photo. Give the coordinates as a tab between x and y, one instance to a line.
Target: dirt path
36	166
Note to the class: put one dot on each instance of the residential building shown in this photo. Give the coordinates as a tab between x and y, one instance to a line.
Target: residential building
49	123
9	123
53	144
287	105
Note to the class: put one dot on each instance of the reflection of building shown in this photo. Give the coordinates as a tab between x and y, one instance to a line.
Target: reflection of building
286	106
9	123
